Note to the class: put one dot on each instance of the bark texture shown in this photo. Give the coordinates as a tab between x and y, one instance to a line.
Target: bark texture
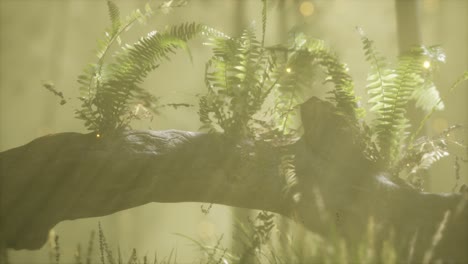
70	175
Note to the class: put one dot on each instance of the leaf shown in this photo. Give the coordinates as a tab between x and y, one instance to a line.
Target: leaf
427	98
114	14
112	90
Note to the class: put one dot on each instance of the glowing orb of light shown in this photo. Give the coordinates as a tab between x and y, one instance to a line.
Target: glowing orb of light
306	8
427	64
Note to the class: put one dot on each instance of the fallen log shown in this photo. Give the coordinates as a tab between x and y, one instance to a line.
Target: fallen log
70	176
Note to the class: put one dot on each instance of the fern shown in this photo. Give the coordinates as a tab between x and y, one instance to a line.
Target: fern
391	91
437	106
110	91
114	14
391	124
336	73
379	77
242	74
426	96
236	78
264	20
304	57
294	77
343	94
240	77
424	153
287	170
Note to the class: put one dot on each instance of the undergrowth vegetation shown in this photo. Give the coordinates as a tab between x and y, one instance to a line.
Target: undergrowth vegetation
262	241
253	93
254	90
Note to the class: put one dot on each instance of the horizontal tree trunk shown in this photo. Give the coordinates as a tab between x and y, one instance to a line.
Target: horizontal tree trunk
70	175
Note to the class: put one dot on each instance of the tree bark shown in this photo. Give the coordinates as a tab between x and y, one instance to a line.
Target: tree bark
70	176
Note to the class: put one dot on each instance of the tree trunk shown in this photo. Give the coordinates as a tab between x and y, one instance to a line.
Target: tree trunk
409	36
70	176
240	24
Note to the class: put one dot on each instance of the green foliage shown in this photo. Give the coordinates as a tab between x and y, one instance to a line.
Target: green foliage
379	75
295	245
391	91
438	106
111	92
392	122
252	93
263	243
243	73
288	171
426	151
308	50
237	78
264	20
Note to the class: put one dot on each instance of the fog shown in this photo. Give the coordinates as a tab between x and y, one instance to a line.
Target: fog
52	41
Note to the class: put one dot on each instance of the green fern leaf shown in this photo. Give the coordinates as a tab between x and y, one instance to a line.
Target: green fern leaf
391	124
237	79
114	14
336	72
115	88
428	98
379	77
264	20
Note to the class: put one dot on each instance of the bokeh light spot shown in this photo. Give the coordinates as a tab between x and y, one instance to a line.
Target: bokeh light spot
427	64
306	8
430	6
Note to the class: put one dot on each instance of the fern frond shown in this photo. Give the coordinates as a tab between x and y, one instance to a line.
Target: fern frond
425	152
380	75
427	97
296	76
288	172
187	31
93	74
114	14
236	77
343	94
392	122
113	89
412	81
336	72
437	106
168	5
132	66
264	20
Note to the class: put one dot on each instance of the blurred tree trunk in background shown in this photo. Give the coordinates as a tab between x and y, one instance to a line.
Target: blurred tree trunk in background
282	22
239	215
282	37
407	17
409	35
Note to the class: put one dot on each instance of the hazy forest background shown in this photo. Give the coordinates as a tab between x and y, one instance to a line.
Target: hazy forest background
52	40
